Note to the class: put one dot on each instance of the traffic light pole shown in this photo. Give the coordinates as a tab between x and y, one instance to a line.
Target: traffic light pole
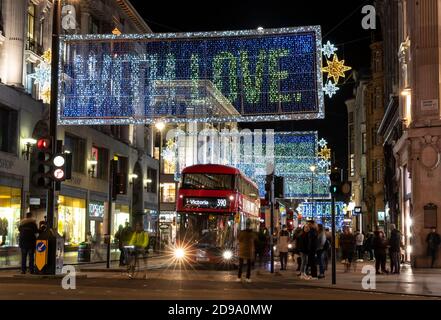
109	211
272	223
334	251
53	104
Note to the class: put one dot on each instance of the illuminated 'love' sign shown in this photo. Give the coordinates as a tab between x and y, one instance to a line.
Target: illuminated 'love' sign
273	74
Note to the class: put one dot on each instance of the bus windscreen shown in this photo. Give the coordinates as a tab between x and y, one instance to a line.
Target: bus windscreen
208	181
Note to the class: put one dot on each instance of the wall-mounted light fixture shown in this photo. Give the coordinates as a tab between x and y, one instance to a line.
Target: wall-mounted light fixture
147	182
92	164
28	143
132	177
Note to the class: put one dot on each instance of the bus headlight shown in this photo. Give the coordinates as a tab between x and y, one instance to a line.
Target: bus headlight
227	255
179	253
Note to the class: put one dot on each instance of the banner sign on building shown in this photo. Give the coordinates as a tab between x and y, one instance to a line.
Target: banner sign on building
246	75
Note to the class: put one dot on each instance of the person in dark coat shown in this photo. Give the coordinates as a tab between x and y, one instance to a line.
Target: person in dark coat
296	251
395	249
380	245
433	241
303	247
347	244
369	245
312	242
247	243
27	241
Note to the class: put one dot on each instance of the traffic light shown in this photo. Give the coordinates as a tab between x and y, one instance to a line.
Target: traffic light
279	190
336	181
44	158
58	169
119	180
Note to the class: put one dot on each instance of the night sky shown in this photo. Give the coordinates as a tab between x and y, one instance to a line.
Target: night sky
341	24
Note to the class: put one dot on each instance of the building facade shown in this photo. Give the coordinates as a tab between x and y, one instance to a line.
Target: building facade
82	211
357	138
412	123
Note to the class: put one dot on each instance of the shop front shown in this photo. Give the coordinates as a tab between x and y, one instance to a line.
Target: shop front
121	216
71	221
10	208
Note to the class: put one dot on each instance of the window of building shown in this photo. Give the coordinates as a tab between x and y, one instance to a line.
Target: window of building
152	180
72	220
168	192
378	98
8	130
351	139
77	146
352	164
379	171
374	137
10	207
123	165
30	43
93	25
101	155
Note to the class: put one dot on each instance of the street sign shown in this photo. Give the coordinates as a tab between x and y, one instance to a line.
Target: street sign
357	211
41	249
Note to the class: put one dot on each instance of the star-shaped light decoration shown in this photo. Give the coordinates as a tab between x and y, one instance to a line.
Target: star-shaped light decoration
322	163
328	49
330	89
325	153
336	69
322	143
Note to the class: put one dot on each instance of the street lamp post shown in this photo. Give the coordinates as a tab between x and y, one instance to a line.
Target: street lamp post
312	168
159	126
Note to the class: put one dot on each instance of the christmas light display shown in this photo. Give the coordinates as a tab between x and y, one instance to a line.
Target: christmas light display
330	89
42	76
320	211
328	49
133	79
335	69
292	152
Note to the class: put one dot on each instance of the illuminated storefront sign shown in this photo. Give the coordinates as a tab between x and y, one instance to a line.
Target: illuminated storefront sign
96	209
207	76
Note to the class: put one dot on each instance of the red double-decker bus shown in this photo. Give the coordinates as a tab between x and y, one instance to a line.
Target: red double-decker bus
213	205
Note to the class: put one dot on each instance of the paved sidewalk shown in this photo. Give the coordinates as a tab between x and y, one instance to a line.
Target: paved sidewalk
426	282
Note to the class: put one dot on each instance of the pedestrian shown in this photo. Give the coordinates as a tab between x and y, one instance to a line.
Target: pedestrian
27	241
395	249
123	235
312	251
359	239
347	243
380	246
296	253
247	240
329	251
433	241
260	245
303	247
322	250
369	245
282	243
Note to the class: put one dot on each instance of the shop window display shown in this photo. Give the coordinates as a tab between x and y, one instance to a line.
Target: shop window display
72	220
10	207
121	217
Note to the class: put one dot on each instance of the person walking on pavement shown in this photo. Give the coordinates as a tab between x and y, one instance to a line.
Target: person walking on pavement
322	250
433	241
247	240
369	245
27	241
124	235
296	253
312	242
359	239
380	246
303	247
282	243
328	252
395	249
347	243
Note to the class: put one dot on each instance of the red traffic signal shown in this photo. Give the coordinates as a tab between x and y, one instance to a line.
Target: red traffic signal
43	144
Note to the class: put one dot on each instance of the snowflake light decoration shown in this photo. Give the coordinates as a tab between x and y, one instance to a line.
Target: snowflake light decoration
322	143
42	76
322	163
330	89
169	153
328	49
